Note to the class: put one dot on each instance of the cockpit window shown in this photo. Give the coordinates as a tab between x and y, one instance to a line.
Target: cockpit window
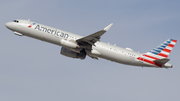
16	21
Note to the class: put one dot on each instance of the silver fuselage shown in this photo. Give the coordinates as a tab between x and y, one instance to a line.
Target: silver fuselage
54	36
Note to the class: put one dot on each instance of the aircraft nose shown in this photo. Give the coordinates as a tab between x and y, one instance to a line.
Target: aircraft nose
11	25
8	25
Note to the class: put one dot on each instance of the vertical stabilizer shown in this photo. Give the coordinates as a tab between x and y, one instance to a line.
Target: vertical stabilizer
161	51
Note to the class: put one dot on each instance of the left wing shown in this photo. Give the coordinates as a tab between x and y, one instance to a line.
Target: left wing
91	39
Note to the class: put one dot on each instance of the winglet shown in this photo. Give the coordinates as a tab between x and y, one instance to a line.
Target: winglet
107	28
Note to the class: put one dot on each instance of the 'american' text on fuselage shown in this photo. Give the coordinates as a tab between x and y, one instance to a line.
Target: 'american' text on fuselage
51	31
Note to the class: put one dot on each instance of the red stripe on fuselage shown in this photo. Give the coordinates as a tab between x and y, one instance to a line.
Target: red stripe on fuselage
149	61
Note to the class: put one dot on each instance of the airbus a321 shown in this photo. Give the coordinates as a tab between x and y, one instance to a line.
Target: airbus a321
76	46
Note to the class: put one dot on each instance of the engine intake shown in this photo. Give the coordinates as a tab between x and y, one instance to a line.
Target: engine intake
69	53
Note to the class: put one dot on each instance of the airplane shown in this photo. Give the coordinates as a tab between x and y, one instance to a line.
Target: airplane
76	46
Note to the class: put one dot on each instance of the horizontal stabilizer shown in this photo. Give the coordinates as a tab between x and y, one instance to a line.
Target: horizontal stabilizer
161	61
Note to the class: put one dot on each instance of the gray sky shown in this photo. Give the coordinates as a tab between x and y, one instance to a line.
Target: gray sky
32	70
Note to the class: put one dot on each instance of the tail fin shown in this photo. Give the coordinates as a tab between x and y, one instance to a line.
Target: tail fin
161	51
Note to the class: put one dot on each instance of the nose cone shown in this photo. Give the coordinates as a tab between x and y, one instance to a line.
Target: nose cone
8	25
11	26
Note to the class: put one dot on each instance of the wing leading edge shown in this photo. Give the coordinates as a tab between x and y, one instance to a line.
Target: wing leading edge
91	39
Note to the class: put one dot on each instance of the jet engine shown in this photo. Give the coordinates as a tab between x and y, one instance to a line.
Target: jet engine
69	53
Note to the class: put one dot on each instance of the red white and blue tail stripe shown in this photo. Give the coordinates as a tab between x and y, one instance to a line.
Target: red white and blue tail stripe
161	51
158	56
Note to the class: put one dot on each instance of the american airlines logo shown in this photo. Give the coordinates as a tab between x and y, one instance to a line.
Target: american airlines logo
31	25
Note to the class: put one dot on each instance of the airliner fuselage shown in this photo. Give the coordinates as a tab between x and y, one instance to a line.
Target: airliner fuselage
77	46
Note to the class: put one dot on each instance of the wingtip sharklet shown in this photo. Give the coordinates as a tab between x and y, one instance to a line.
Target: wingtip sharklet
109	26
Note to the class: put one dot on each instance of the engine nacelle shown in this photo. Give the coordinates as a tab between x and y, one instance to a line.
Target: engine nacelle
69	43
69	53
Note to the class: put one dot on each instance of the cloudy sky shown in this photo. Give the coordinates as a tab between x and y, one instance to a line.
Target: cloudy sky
32	70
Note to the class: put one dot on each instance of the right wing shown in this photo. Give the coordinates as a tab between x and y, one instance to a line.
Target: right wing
91	39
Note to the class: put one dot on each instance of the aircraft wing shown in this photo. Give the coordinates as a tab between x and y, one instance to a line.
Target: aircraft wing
91	39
